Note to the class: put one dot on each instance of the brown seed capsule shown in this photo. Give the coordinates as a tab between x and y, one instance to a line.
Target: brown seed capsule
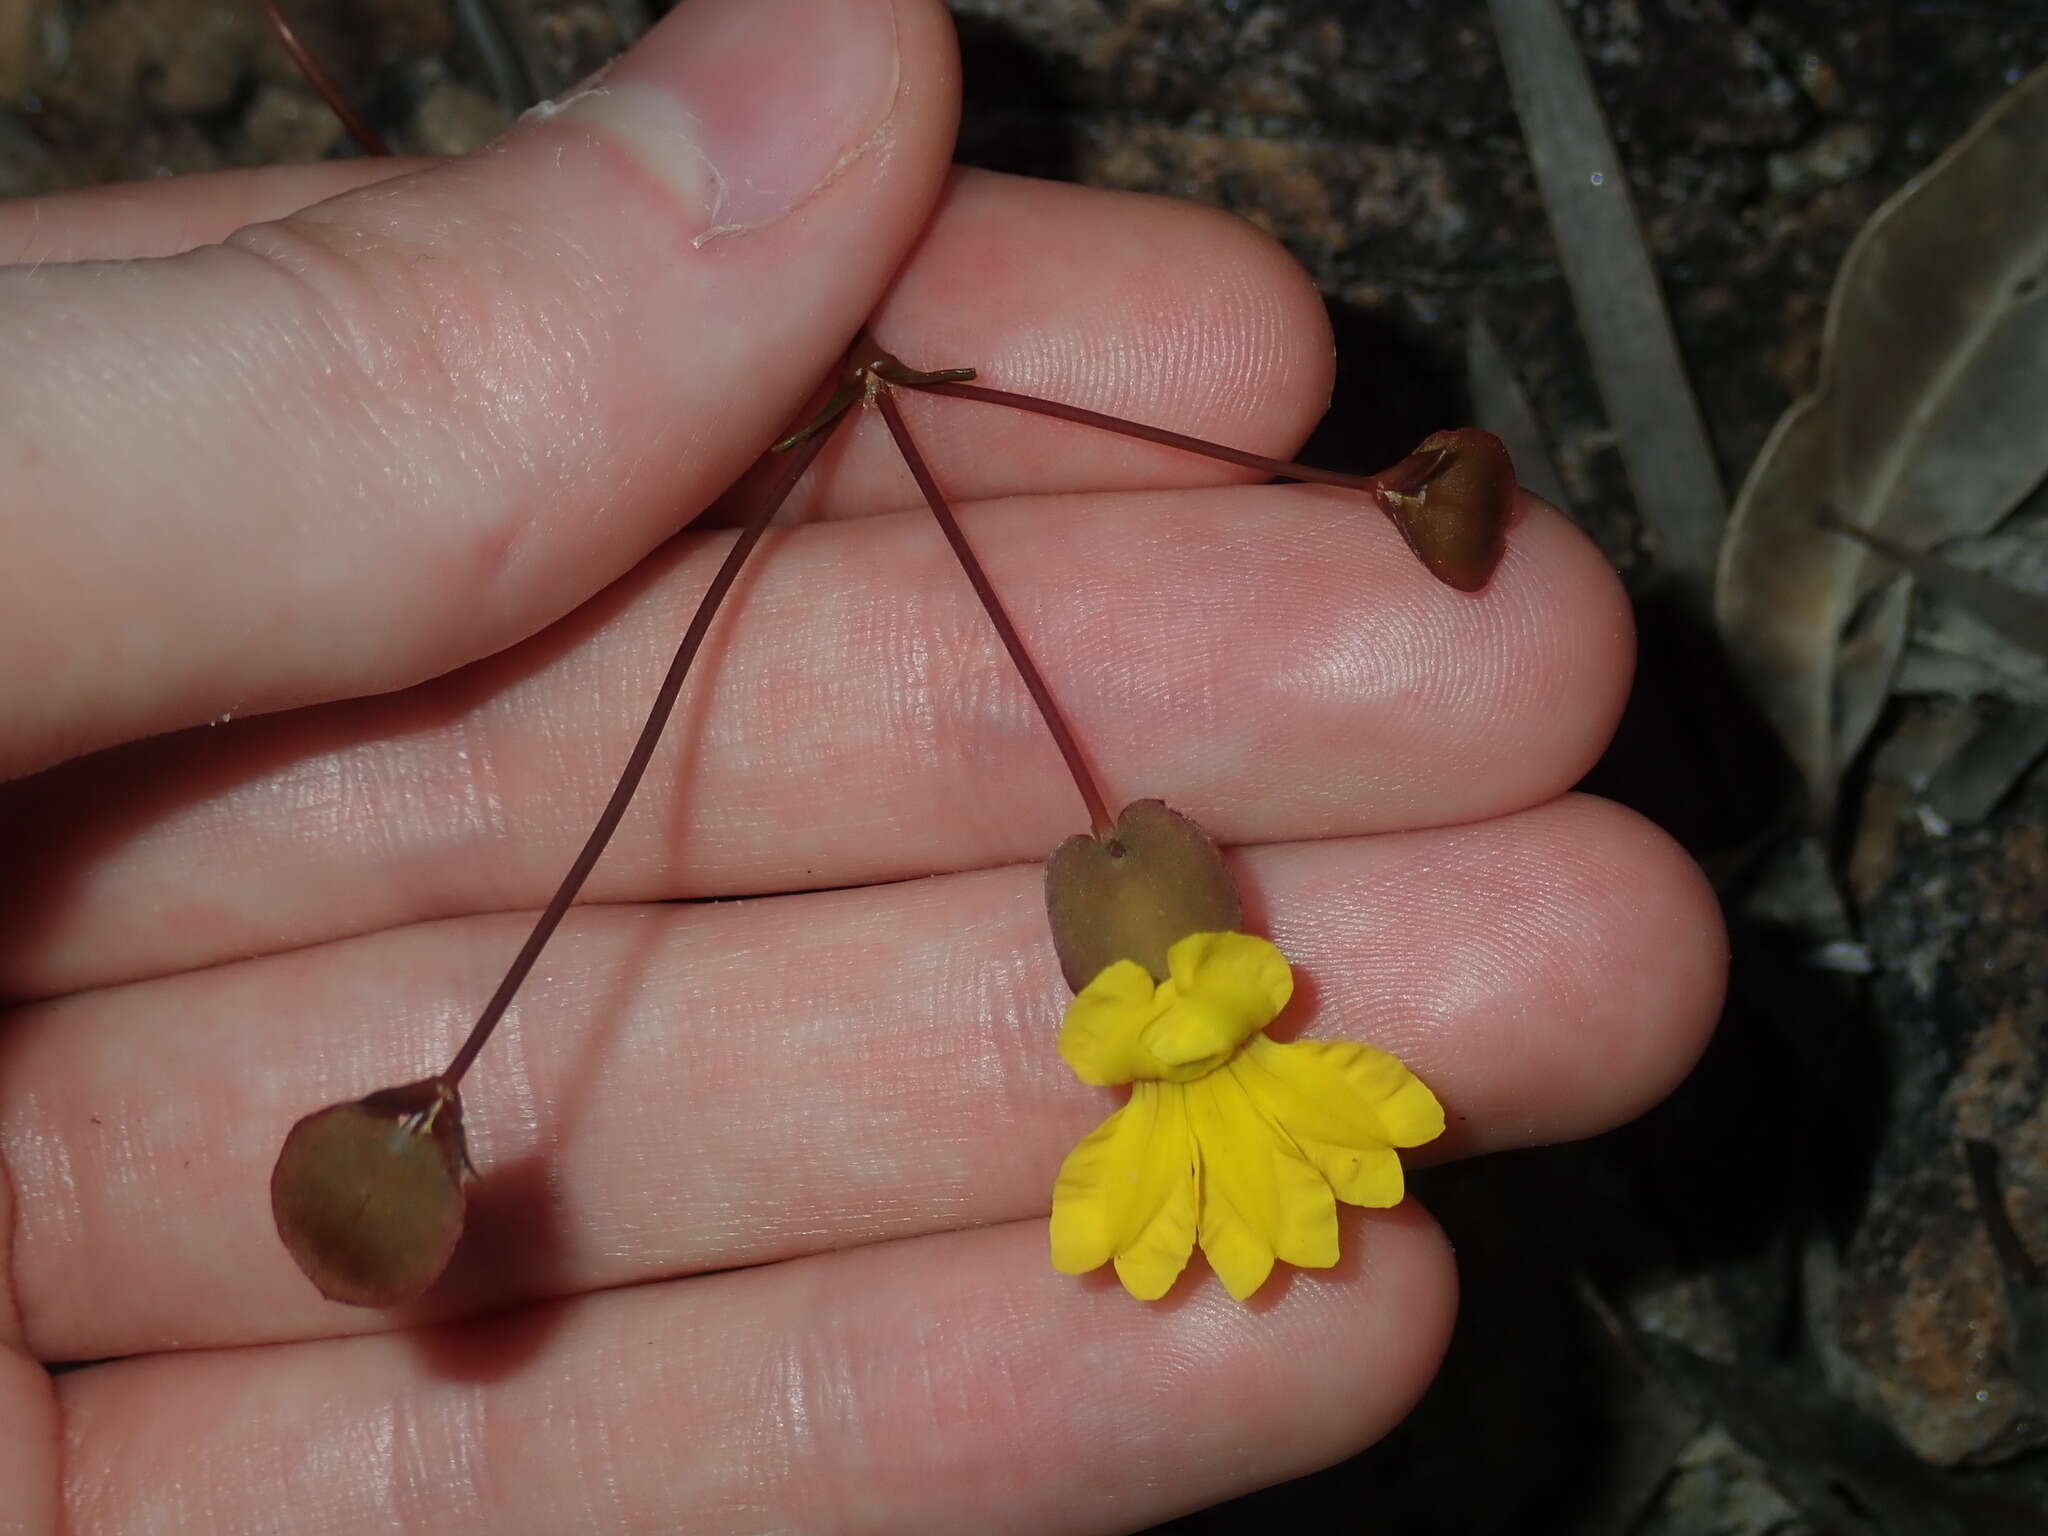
368	1195
1451	498
1134	895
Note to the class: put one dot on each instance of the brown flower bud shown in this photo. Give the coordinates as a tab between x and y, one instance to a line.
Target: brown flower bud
368	1195
1451	498
1135	894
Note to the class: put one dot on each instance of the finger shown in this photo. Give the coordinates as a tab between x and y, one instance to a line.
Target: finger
1145	307
1188	317
1271	660
28	1405
885	1390
28	1450
412	424
137	219
696	1088
1060	285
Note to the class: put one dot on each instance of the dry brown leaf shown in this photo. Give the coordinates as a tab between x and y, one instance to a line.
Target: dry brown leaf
1615	292
1928	424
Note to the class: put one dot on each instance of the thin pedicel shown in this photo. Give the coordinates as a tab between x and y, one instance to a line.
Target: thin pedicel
368	1195
1459	535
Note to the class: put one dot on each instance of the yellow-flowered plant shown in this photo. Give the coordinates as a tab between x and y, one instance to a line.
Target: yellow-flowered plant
1229	1138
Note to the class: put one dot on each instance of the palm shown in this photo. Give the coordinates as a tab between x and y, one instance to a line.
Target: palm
845	1102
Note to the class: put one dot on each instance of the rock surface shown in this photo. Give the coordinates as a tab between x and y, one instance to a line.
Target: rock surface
1927	1312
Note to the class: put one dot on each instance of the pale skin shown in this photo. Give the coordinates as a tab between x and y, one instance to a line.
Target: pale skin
390	484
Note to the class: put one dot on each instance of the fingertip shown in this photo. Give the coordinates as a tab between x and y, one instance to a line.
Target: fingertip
1148	308
1570	635
1433	707
1248	314
1662	1004
1321	1364
1620	971
1314	1366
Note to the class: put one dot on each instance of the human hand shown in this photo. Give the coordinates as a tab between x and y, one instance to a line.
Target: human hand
388	480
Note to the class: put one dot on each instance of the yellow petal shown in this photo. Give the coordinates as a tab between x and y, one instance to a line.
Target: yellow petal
1099	1037
1160	1234
1127	1192
1222	988
1232	1243
1346	1106
1411	1115
1261	1199
1238	971
1346	1077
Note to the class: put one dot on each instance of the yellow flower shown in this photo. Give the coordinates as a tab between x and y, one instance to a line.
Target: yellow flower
1229	1138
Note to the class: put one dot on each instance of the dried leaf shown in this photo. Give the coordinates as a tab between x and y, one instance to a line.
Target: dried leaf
1867	667
1984	771
1985	613
1936	348
1642	379
1926	426
1778	601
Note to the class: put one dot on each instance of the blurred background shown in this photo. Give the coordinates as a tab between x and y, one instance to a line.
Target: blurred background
1805	1296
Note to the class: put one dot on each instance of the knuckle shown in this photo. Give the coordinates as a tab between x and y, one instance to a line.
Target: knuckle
461	341
458	350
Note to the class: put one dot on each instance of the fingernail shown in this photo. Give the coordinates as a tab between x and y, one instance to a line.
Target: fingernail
750	106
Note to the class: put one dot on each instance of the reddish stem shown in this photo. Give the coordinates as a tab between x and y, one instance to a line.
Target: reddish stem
1280	468
366	137
1103	824
792	466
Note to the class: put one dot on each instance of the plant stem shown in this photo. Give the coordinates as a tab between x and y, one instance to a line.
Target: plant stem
1280	468
792	465
366	137
1102	823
